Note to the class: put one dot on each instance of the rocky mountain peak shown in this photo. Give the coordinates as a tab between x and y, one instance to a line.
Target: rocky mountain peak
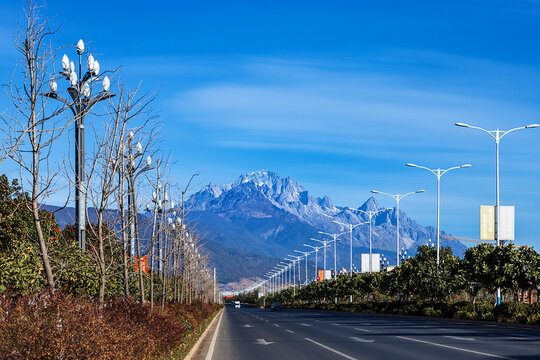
370	204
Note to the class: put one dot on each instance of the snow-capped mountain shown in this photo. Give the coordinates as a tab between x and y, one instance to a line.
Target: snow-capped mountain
263	213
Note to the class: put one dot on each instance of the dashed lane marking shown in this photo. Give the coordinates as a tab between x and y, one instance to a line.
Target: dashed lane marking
357	339
360	329
453	347
460	338
332	350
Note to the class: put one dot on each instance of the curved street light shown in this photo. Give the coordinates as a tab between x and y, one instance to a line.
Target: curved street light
351	227
438	173
316	250
370	214
397	197
497	135
334	239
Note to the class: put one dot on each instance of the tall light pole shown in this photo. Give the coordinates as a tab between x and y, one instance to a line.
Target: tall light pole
325	243
438	173
316	249
398	198
305	253
351	227
80	91
335	239
286	267
370	214
292	259
497	135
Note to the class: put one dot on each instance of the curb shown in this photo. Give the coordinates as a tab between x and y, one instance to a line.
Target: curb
193	351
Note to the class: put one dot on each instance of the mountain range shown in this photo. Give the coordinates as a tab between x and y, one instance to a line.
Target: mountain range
264	214
252	223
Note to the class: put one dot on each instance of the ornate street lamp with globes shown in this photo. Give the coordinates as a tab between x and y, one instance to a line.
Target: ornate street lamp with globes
82	100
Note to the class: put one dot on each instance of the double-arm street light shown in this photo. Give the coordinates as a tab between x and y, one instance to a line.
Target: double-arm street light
351	227
497	135
292	259
305	253
316	249
335	239
438	173
398	198
286	266
82	101
370	214
325	243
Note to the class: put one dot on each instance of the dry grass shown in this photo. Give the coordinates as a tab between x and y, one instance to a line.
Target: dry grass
56	326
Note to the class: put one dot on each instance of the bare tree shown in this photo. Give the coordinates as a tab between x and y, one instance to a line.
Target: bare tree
130	108
103	186
33	121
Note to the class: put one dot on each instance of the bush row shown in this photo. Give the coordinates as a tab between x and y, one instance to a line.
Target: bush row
59	326
512	312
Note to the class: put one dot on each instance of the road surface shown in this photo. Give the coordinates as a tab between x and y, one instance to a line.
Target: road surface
260	334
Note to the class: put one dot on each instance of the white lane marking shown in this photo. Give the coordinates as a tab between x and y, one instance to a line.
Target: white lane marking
289	331
354	338
454	348
335	324
304	324
247	325
332	350
360	329
526	336
460	338
263	342
276	325
213	343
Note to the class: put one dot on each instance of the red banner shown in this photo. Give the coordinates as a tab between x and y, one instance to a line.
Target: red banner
144	264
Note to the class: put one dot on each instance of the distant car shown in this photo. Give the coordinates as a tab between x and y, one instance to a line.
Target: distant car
276	307
237	304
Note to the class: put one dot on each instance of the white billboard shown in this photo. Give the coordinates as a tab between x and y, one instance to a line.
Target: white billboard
375	263
507	223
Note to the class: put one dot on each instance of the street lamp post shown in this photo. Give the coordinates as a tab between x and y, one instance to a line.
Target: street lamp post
335	239
80	91
292	259
305	255
438	173
133	173
351	227
397	197
497	135
325	243
370	214
316	249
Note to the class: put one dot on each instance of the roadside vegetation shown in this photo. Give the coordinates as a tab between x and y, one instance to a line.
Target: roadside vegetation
142	286
458	288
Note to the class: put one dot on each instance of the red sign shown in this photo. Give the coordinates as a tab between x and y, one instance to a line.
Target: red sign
229	296
321	275
144	264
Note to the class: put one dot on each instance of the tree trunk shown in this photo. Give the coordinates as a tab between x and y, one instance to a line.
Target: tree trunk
134	209
102	270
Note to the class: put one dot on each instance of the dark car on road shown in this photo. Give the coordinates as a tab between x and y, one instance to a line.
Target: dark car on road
276	307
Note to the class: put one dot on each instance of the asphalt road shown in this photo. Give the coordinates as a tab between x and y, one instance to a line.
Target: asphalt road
260	334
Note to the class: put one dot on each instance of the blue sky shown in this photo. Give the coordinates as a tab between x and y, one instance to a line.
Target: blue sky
338	95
